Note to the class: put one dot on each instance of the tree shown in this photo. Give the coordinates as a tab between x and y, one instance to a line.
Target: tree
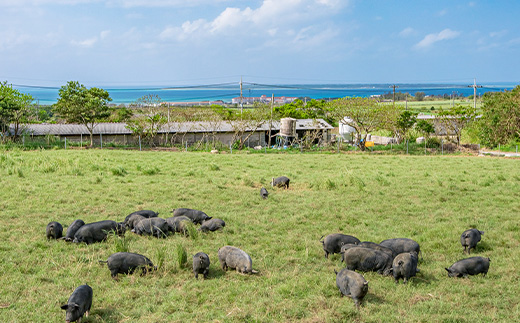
148	118
15	108
500	122
77	104
399	121
362	114
419	96
457	118
425	128
249	121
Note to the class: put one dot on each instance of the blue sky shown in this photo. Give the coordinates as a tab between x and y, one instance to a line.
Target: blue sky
176	42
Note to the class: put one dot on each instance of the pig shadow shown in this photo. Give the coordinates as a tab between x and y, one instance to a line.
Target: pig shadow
481	247
105	314
373	298
421	278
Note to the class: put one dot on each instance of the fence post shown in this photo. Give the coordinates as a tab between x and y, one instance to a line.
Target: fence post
517	149
81	140
407	146
65	143
498	147
23	140
230	148
101	140
186	146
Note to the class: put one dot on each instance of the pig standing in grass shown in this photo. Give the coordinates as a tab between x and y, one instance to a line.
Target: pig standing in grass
469	266
54	230
470	238
156	227
79	304
127	263
404	266
72	229
281	181
263	193
98	231
333	242
351	284
195	215
365	259
212	225
235	258
179	224
201	264
401	245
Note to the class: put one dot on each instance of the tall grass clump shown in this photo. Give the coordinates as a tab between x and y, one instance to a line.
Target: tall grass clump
119	171
121	244
182	255
191	230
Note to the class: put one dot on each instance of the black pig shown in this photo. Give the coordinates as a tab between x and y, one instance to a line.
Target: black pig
72	229
281	181
54	230
469	266
97	231
365	259
201	264
404	266
127	263
470	238
351	284
333	242
235	258
195	215
212	225
79	304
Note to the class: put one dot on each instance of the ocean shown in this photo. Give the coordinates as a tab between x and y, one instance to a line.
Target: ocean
226	92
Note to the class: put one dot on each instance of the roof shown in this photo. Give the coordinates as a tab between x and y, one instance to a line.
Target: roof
66	129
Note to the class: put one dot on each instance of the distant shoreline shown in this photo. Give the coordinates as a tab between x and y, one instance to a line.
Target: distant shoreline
225	94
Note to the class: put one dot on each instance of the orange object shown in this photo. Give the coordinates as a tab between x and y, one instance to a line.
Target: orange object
369	144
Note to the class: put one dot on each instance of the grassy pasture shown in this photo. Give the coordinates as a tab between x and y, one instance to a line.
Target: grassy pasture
430	199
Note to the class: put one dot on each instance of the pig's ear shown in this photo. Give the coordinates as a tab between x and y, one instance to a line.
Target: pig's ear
447	270
65	307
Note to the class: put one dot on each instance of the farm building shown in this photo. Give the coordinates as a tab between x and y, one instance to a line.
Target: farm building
177	133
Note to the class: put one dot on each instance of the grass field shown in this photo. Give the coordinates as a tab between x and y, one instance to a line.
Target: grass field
431	199
427	105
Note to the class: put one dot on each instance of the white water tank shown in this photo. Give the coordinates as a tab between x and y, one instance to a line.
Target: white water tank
346	131
288	127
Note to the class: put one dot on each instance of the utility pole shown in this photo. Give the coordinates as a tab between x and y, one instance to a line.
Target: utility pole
241	98
474	86
394	87
270	121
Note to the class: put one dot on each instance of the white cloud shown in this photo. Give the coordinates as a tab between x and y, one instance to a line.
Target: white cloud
90	42
431	39
268	19
407	32
86	43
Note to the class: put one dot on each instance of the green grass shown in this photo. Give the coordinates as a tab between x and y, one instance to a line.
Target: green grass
431	199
